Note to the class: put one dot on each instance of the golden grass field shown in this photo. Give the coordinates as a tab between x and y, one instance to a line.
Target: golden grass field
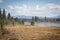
33	33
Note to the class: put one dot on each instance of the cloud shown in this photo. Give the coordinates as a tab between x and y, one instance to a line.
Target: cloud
1	1
48	10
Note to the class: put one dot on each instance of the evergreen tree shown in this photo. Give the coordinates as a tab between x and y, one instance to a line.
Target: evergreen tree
32	22
58	19
33	19
0	12
4	14
45	18
0	16
1	20
36	18
9	16
16	19
23	22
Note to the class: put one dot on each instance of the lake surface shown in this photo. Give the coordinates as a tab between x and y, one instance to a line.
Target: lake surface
43	24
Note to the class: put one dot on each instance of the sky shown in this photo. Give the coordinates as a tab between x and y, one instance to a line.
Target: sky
40	8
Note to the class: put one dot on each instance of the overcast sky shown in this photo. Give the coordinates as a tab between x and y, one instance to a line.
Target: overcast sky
49	8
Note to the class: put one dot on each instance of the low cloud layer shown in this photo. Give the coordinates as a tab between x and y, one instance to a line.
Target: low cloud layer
48	10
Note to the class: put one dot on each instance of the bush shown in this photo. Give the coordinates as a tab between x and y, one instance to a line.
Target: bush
5	31
32	22
23	22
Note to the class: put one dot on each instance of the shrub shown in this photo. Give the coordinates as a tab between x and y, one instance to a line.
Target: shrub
5	31
32	22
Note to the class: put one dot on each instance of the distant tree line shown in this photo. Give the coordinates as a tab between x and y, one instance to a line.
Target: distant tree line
46	19
8	19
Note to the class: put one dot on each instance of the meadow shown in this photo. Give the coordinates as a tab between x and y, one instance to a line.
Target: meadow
19	32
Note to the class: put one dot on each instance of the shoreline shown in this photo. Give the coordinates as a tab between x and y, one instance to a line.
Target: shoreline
27	26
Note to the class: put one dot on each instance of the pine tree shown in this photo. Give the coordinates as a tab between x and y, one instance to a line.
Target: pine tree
1	21
0	12
32	22
0	16
36	18
45	18
16	19
23	22
4	14
9	16
33	19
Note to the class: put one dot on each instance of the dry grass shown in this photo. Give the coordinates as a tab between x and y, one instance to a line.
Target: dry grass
34	32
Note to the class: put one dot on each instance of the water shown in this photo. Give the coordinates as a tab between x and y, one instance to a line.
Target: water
44	24
47	24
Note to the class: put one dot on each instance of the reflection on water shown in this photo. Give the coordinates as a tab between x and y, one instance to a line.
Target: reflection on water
43	24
